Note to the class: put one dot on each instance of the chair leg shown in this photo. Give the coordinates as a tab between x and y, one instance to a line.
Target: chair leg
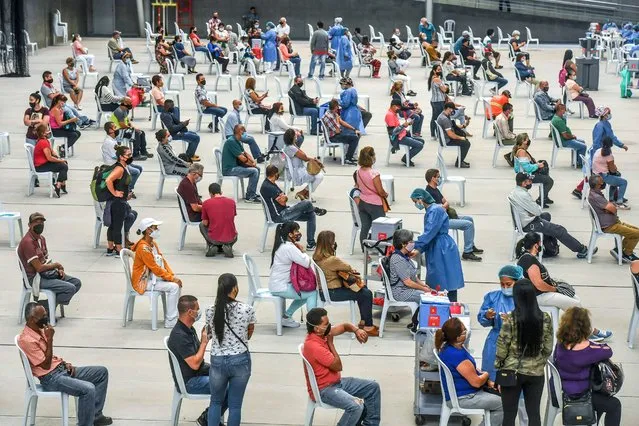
310	413
592	245
353	238
264	236
175	408
154	312
551	415
160	190
131	308
632	329
65	409
125	310
486	417
383	318
51	302
24	299
279	311
182	237
495	152
30	403
444	415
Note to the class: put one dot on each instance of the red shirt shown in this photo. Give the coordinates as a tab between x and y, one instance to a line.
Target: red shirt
392	121
38	152
220	212
34	345
318	354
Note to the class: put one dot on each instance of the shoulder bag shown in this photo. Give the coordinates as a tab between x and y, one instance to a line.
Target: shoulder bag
235	334
606	377
508	378
350	280
385	204
578	410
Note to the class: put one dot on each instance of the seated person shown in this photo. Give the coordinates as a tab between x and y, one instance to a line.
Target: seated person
178	130
303	104
87	384
469	381
603	164
568	140
237	162
545	286
458	43
279	125
399	73
151	271
491	73
339	131
187	189
286	252
233	119
35	115
488	47
288	54
255	101
430	48
577	93
79	51
299	163
497	102
467	52
157	93
208	107
368	55
408	110
399	135
505	124
45	159
463	223
183	55
71	83
526	72
545	103
190	351
218	222
198	44
524	162
120	118
342	289
606	212
49	92
451	73
173	164
118	51
62	125
517	45
454	136
108	101
533	220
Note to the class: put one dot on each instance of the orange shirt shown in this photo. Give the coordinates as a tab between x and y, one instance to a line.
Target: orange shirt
318	354
34	345
144	263
497	104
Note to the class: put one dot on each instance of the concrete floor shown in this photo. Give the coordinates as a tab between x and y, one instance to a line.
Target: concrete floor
140	383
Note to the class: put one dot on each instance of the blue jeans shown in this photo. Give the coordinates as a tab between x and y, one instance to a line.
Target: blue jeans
615	182
135	171
312	112
83	119
341	395
305	297
228	377
253	175
304	212
202	49
217	112
501	82
466	224
193	140
311	67
418	121
296	61
89	384
415	145
250	141
579	146
198	385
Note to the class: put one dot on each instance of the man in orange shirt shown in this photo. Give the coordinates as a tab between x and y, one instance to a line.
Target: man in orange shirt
88	384
359	398
497	102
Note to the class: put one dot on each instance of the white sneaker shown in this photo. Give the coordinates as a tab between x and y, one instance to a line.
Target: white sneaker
290	323
170	324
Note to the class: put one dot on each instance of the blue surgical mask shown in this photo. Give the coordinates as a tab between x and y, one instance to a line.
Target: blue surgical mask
507	291
419	206
609	116
439	181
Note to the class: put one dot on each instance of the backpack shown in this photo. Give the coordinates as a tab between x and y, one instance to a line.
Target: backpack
606	377
98	186
303	279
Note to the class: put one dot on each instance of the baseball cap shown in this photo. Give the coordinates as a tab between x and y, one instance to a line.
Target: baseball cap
521	177
396	102
36	216
465	34
507	94
116	32
148	222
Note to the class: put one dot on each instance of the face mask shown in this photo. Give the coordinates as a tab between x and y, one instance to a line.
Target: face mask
528	186
198	179
603	185
419	206
42	322
439	180
327	330
203	82
198	315
410	246
334	246
297	238
609	116
129	160
516	37
33	104
129	107
71	65
256	26
38	228
155	234
507	291
545	89
49	81
300	84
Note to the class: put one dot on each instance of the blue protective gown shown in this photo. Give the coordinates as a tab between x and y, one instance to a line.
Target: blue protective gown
344	55
269	50
601	130
500	303
335	33
350	111
443	266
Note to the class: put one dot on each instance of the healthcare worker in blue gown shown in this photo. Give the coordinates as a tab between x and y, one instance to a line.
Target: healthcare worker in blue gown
344	55
269	50
443	265
335	33
352	113
496	303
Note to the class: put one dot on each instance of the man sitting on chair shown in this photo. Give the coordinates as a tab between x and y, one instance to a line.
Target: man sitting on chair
208	107
303	104
232	120
237	162
188	191
340	131
179	130
356	397
88	384
547	105
218	222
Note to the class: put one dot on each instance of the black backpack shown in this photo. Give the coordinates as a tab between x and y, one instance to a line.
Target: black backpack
98	186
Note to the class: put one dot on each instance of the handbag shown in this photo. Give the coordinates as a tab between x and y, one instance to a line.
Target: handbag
578	410
606	377
452	213
351	280
313	167
385	204
303	279
508	378
565	288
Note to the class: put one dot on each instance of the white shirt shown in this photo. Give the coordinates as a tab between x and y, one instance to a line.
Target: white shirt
279	125
108	150
282	30
286	254
240	315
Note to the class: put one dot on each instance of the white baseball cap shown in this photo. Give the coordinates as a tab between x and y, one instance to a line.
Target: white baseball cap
516	32
465	34
148	222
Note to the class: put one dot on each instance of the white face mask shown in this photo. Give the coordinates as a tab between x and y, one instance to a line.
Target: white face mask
170	138
198	315
155	234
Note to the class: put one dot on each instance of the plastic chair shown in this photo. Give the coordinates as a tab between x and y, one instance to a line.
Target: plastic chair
114	61
185	221
200	113
47	177
389	300
33	46
107	114
530	39
449	28
268	224
172	74
150	52
388	183
557	146
249	113
60	29
519	82
446	411
328	145
375	38
83	65
12	218
554	403
179	393
357	222
538	119
405	148
220	75
360	59
236	180
441	138
426	60
312	381
499	145
411	40
318	89
569	102
460	181
259	294
475	41
501	38
126	257
284	63
518	231
295	115
279	97
327	296
596	233
163	176
27	291
310	32
634	320
488	117
553	311
99	222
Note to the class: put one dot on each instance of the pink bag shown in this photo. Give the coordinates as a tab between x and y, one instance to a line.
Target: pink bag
563	74
303	279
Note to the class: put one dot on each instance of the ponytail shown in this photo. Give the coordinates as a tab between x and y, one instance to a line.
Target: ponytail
281	235
449	333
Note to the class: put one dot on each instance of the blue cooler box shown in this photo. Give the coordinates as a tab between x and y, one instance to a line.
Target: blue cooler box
433	315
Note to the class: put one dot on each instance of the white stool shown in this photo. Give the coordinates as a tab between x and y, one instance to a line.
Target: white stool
5	144
388	183
12	218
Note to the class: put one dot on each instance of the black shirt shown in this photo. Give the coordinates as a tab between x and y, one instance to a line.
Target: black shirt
184	343
526	261
269	192
436	194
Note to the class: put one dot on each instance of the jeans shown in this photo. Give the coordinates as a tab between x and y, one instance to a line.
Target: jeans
351	139
609	405
311	68
120	54
64	288
532	387
466	224
135	171
176	111
193	140
475	63
71	135
119	210
466	90
630	234
89	384
418	121
228	378
296	60
437	107
250	141
501	82
364	299
615	182
308	298
347	395
545	226
368	213
60	168
83	119
415	145
578	145
253	175
312	112
217	112
486	401
304	212
198	385
464	144
546	180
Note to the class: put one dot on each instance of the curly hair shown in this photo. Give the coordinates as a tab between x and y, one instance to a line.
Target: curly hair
574	327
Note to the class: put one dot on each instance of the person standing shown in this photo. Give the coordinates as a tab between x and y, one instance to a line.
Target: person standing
118	183
372	193
319	50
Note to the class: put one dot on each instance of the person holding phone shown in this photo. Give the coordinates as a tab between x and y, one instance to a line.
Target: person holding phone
399	133
256	103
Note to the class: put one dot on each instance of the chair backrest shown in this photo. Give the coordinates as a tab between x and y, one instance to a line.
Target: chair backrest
372	31
528	34
443	170
28	373
162	169
267	212
29	151
554	381
556	136
450	382
27	40
325	134
635	289
488	111
310	375
537	111
515	217
99	210
323	284
126	257
253	274
291	107
109	54
278	88
23	272
449	25
441	136
387	284
585	160
594	220
500	34
175	366
357	220
170	65
498	135
218	162
183	211
318	87
310	30
251	68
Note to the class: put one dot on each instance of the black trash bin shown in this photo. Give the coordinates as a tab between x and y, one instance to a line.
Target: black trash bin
588	73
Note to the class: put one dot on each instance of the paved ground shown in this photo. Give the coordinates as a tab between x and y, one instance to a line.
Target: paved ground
140	385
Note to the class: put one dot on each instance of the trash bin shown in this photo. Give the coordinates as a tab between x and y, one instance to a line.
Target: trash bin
588	73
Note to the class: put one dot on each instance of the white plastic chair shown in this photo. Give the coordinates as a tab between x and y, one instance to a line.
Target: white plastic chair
236	180
327	296
474	41
488	117
441	138
446	411
126	257
449	28
268	224
310	32
185	221
405	148
83	65
501	38
179	393
172	74
518	231
538	119
27	291
569	102
389	300
47	178
375	38
553	380
557	146
163	176
529	38
284	63
596	232
33	46
279	97
220	75
312	380
327	145
357	222
460	181
114	61
12	219
499	145
60	29
411	40
519	82
100	112
259	294
150	52
360	59
99	223
200	113
634	320
249	113
554	313
295	115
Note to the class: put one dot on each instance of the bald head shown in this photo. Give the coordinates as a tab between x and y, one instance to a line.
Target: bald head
237	103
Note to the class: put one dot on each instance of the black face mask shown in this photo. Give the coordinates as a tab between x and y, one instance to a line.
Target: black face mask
32	104
334	246
42	322
603	186
300	84
327	330
545	89
203	83
129	160
50	80
38	228
296	238
129	107
528	186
